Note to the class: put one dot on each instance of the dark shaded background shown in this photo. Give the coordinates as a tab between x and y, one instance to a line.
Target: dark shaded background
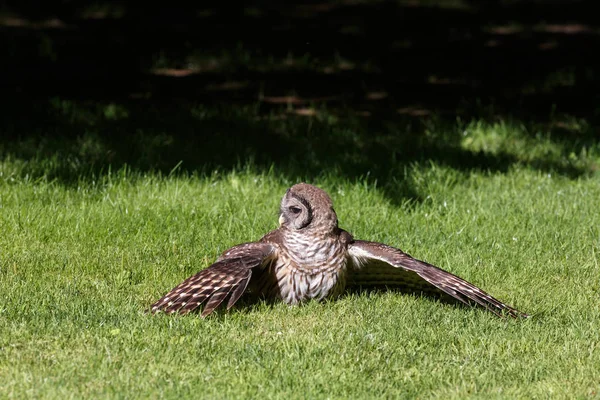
92	85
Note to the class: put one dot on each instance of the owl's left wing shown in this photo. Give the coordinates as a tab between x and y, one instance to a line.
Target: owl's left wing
228	276
378	264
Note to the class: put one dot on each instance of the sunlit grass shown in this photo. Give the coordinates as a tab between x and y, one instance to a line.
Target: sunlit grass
82	259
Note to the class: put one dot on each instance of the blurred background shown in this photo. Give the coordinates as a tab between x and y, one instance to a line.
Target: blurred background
358	88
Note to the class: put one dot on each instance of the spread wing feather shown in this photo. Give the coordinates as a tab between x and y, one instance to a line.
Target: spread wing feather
227	277
377	263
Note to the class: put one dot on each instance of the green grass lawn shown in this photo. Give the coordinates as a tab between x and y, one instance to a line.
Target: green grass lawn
83	253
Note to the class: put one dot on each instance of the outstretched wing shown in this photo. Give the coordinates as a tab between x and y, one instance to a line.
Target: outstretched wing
379	264
228	276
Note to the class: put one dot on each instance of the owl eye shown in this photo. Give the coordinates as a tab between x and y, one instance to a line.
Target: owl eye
295	210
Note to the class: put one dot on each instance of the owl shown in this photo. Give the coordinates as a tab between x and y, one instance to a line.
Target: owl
310	257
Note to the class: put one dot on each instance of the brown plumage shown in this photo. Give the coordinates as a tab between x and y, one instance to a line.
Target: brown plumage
310	257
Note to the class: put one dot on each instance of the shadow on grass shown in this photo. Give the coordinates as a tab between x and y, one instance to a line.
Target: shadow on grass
407	56
69	141
248	303
361	89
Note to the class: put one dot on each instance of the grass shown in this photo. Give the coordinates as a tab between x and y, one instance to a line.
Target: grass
82	257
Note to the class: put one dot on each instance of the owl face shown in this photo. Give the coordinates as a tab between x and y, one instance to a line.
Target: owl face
296	211
304	207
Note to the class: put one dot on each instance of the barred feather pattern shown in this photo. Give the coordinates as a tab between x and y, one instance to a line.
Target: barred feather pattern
376	263
310	268
303	270
228	277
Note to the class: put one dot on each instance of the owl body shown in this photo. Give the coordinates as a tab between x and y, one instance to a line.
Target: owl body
310	257
308	269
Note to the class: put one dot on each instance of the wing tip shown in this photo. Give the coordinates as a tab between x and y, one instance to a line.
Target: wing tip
215	300
516	314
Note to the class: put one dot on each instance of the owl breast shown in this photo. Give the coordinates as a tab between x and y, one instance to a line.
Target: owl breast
311	270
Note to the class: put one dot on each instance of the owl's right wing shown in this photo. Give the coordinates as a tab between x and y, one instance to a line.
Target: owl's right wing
376	264
227	277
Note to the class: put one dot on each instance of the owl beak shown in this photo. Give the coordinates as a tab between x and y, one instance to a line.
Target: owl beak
281	219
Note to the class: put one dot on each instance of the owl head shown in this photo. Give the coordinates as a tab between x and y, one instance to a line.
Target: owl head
305	207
